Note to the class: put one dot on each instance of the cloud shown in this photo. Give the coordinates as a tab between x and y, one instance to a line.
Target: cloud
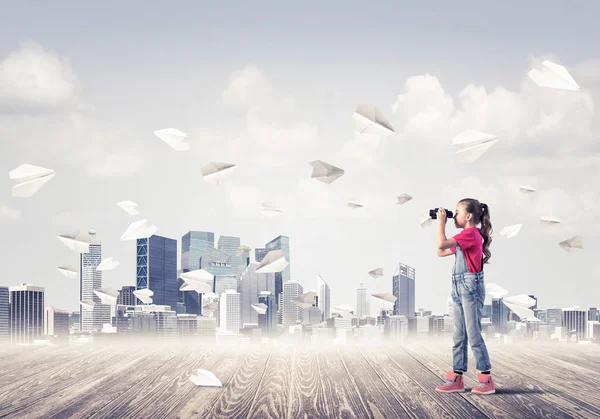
246	88
9	215
33	79
532	115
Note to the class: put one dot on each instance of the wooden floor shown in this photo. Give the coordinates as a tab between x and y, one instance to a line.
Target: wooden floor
395	381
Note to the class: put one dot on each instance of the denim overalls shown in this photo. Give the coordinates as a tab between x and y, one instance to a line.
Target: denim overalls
468	295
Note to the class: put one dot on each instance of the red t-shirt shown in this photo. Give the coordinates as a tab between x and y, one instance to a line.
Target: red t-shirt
471	243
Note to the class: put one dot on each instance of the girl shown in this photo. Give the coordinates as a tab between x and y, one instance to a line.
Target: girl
471	250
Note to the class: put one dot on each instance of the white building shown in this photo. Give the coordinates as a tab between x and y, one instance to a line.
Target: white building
56	322
91	318
26	313
574	321
361	301
251	286
324	302
230	314
292	314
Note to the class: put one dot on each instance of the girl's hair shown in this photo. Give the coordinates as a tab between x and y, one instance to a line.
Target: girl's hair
481	214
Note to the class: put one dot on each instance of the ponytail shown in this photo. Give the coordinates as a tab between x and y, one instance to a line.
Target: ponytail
481	214
486	232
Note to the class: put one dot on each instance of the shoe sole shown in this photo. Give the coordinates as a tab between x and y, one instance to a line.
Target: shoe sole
483	392
451	391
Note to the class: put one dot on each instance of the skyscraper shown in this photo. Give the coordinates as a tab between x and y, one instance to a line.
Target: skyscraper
91	318
26	313
280	243
268	321
193	244
126	296
404	290
292	314
575	321
4	315
361	301
324	299
251	286
229	245
157	269
229	305
500	315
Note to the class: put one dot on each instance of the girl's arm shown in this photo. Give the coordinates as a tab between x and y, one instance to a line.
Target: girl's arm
443	253
443	242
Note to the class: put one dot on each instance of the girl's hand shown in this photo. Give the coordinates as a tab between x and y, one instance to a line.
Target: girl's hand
441	216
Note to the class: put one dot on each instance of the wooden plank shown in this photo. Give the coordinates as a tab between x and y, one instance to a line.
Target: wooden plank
378	399
493	407
238	395
417	402
82	395
199	400
527	396
575	402
344	400
455	404
165	368
307	395
271	400
106	385
73	374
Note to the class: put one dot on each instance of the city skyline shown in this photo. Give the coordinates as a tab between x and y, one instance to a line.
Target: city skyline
255	107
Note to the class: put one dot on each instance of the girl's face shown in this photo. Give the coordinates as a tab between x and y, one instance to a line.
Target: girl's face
461	216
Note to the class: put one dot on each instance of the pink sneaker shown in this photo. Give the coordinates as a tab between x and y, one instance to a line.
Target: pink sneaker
485	386
453	384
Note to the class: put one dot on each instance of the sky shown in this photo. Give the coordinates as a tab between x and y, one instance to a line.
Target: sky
271	87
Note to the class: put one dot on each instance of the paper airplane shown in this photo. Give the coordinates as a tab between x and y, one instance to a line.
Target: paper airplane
260	308
198	280
352	203
273	262
549	220
87	303
472	144
554	76
325	172
495	290
78	242
270	209
139	230
574	242
174	138
404	198
107	264
242	250
216	172
376	273
511	231
344	310
386	299
426	222
144	295
29	179
204	378
129	207
519	304
368	119
526	189
305	300
107	295
68	271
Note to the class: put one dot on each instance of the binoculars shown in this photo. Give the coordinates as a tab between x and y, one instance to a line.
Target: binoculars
433	213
